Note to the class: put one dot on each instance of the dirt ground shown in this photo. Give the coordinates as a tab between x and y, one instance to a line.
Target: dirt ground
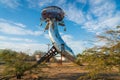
66	71
70	71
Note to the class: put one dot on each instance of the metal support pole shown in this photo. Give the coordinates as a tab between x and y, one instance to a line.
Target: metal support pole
62	50
48	50
48	46
61	59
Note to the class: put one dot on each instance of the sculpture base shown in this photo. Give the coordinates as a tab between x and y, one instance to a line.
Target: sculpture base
52	52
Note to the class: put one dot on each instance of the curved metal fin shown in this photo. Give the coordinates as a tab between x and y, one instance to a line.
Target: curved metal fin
61	24
47	26
40	24
41	21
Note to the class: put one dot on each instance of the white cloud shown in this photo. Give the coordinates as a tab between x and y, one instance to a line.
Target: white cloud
21	39
74	14
76	45
98	26
24	47
20	25
102	8
102	14
15	39
32	4
46	36
81	1
95	18
39	3
9	27
28	45
10	3
45	3
2	38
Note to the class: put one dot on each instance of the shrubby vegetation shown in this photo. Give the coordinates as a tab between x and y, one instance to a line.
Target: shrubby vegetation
16	64
97	60
102	59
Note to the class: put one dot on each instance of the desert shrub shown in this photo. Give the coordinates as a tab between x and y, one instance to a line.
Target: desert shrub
15	63
103	59
18	64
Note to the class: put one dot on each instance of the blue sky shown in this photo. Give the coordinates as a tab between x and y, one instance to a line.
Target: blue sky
20	19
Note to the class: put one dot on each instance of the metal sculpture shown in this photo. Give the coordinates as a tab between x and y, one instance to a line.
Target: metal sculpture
53	16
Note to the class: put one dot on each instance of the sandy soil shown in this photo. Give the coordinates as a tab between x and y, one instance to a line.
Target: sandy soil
66	71
70	71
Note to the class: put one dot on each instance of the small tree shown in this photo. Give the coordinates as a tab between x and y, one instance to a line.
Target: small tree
15	63
105	58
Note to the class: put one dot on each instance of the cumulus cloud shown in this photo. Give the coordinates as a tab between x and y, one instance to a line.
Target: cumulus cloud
10	3
24	47
94	18
46	36
44	3
102	15
24	44
81	1
15	39
77	45
102	8
99	15
74	14
92	15
9	27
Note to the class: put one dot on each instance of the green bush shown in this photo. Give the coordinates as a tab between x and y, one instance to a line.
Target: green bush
15	63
